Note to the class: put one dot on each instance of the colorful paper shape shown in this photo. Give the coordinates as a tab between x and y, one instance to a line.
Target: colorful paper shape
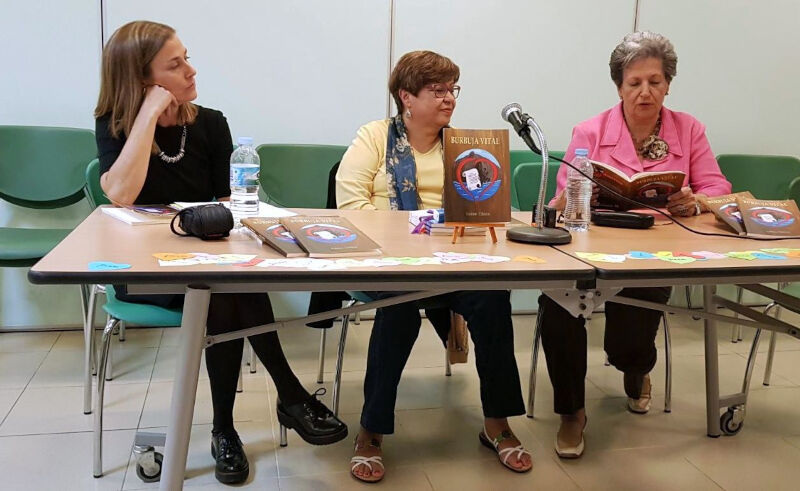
107	266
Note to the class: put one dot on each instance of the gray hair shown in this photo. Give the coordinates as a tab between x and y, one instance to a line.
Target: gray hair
643	44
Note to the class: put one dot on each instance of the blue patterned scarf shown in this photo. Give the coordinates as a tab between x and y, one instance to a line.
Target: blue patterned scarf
401	168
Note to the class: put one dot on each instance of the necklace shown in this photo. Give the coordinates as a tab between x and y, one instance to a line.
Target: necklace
653	147
171	160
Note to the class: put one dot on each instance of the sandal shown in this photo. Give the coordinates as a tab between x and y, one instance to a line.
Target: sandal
367	461
505	453
572	452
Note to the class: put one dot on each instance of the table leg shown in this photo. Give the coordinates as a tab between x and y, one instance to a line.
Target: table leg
712	365
192	333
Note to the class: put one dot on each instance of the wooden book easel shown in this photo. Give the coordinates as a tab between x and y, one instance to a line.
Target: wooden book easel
460	227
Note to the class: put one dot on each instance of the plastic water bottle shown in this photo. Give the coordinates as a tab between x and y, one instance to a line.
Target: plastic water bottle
579	193
245	166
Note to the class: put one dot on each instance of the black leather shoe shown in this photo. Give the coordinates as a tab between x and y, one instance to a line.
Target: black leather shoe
314	422
227	450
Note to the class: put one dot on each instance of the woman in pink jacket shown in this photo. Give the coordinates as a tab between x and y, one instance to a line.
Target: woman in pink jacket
637	135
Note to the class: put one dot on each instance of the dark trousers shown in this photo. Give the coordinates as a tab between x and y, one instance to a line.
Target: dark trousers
231	312
629	342
488	316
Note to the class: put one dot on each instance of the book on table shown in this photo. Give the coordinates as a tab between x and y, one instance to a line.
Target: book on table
270	231
649	188
330	236
141	214
769	218
477	176
726	209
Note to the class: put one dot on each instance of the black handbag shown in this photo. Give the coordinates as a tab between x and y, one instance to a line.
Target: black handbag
209	222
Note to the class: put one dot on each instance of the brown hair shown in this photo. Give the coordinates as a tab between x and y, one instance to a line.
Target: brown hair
124	73
639	45
416	69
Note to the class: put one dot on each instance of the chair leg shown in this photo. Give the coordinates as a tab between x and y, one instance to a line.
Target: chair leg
321	369
337	380
773	339
357	318
239	382
251	358
688	290
534	361
111	324
88	291
109	362
668	367
447	368
122	331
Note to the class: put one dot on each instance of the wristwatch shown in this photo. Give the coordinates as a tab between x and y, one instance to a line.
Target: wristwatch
697	209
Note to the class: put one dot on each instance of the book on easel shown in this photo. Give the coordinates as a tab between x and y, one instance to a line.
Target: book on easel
726	210
329	236
477	176
769	218
271	231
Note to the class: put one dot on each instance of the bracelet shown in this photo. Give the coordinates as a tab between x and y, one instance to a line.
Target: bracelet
697	209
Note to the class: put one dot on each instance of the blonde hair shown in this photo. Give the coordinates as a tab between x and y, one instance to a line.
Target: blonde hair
124	73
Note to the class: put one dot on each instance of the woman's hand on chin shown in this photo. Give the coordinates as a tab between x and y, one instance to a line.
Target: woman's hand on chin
161	103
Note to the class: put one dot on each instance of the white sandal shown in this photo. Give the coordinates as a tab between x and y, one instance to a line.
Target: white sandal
367	461
504	454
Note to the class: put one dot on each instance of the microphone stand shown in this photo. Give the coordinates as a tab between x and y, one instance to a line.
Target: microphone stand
539	234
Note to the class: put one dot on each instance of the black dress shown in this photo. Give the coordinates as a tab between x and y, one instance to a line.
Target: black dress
203	175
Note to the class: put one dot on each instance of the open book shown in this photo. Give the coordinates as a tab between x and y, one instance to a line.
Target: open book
650	188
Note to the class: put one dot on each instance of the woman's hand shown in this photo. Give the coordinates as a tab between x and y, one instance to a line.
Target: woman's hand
683	203
160	103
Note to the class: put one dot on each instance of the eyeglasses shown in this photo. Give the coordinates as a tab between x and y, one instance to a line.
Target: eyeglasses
441	92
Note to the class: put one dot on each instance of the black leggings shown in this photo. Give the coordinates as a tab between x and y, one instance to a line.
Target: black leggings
230	312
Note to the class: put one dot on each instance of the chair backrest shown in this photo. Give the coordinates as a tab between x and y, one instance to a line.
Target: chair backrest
94	193
766	176
43	167
526	180
297	175
526	156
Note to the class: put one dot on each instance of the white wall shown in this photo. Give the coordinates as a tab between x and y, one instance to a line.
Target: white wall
313	71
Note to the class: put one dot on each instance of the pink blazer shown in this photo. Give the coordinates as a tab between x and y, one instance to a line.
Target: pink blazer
608	140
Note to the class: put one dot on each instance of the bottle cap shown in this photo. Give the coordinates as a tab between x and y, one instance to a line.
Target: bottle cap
245	140
582	152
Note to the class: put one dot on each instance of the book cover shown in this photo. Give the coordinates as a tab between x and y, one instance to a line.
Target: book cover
431	222
769	218
726	210
330	236
650	188
272	232
158	211
477	176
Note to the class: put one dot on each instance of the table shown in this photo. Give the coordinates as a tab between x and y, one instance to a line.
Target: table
103	238
610	277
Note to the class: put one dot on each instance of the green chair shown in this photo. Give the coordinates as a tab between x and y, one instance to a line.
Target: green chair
519	157
526	179
119	314
296	176
40	168
767	177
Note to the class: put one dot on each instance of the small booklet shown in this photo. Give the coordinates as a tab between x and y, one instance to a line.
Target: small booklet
650	188
134	216
330	236
769	218
272	232
431	222
726	209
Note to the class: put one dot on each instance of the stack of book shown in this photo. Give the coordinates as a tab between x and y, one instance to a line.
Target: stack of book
758	218
312	236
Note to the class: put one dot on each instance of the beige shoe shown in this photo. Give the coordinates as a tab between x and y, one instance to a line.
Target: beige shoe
572	452
642	404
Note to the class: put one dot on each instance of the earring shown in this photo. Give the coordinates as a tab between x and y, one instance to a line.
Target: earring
408	112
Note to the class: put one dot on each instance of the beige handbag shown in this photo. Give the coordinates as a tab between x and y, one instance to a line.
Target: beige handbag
457	339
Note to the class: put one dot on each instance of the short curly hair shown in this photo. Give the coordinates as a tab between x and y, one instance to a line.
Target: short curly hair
643	44
416	69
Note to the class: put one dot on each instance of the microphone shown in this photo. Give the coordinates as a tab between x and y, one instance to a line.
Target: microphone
539	234
513	114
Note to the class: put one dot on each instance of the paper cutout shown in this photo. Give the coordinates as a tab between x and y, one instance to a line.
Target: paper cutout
689	254
678	259
601	257
172	256
709	255
664	253
793	254
641	255
253	262
746	255
764	255
529	259
107	266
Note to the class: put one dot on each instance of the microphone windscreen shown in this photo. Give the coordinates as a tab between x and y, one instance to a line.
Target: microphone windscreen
508	109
